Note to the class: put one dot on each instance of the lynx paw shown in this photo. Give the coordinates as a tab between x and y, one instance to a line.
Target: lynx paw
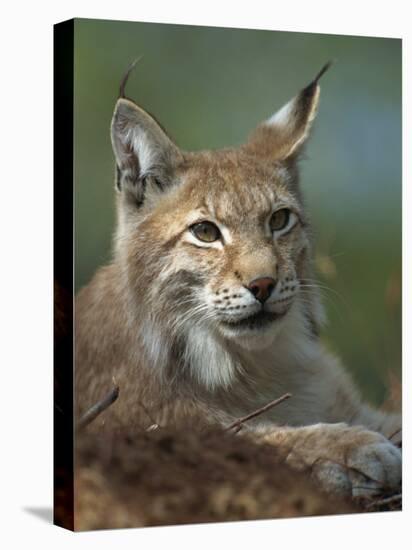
351	460
343	459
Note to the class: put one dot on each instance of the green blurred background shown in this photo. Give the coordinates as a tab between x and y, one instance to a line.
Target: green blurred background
209	87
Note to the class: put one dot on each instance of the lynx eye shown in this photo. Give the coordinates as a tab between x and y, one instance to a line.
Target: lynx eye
280	219
206	232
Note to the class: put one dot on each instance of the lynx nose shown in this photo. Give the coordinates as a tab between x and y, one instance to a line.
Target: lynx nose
262	288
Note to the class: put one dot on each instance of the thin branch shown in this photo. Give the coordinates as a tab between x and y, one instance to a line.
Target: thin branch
152	427
384	501
98	408
149	416
394	433
238	423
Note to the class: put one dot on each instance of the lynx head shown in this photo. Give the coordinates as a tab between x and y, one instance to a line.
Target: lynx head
214	245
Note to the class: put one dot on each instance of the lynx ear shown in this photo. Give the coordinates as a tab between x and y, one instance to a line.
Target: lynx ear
282	136
142	149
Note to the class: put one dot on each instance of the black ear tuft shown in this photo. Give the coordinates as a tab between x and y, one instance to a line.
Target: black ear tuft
284	134
307	93
126	77
323	70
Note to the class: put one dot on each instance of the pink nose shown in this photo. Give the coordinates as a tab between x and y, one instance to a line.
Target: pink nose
262	288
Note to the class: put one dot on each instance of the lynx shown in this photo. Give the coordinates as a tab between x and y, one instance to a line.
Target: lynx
208	309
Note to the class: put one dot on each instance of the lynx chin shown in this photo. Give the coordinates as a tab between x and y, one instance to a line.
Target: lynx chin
208	310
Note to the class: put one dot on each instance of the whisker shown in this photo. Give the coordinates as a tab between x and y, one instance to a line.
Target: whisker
306	294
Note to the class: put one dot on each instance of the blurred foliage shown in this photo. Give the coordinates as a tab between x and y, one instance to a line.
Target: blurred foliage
209	87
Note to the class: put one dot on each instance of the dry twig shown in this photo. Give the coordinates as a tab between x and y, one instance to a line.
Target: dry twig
98	408
398	443
154	425
238	423
384	501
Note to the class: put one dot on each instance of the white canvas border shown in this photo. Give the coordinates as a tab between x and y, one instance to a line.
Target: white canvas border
26	270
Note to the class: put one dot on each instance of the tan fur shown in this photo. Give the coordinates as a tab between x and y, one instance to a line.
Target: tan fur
156	319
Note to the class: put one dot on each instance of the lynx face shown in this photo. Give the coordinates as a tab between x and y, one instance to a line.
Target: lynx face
216	242
222	248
